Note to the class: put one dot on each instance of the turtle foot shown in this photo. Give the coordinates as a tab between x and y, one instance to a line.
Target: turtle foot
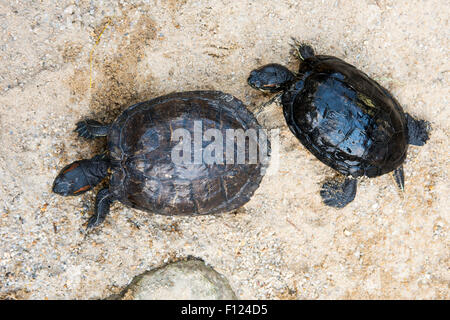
418	131
302	50
91	129
338	194
103	202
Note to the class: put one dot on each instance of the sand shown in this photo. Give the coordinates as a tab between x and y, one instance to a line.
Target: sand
284	244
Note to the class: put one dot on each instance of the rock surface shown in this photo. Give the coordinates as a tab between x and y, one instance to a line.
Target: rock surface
186	280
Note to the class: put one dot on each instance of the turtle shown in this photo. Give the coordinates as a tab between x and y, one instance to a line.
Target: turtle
344	118
139	158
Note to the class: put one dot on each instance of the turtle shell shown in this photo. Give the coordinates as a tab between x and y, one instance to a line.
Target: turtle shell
144	175
346	119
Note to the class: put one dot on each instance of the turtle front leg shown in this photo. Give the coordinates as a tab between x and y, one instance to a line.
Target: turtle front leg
302	50
338	194
275	99
418	131
91	129
103	201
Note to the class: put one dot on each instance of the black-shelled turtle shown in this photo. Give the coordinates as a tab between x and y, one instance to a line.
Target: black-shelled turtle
343	117
142	171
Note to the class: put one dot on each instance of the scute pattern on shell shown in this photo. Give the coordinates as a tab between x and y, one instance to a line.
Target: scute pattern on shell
347	120
144	175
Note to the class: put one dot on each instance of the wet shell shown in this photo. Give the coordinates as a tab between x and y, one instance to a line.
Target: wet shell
144	175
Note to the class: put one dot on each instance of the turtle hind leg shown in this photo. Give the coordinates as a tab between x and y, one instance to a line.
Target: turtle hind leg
418	131
103	201
399	178
91	129
338	194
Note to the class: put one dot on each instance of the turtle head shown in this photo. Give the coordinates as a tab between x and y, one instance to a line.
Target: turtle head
270	78
71	180
80	176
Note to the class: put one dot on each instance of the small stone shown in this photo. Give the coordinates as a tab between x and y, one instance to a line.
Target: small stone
187	280
70	9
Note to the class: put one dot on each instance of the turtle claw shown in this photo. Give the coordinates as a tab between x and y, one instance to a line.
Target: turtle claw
296	45
93	222
103	201
91	129
302	49
83	131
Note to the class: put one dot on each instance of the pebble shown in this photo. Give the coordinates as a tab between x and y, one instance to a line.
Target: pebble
187	280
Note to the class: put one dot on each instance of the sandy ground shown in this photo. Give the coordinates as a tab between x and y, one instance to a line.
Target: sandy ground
284	244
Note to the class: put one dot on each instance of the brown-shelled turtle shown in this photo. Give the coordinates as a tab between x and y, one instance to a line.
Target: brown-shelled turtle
139	157
346	119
